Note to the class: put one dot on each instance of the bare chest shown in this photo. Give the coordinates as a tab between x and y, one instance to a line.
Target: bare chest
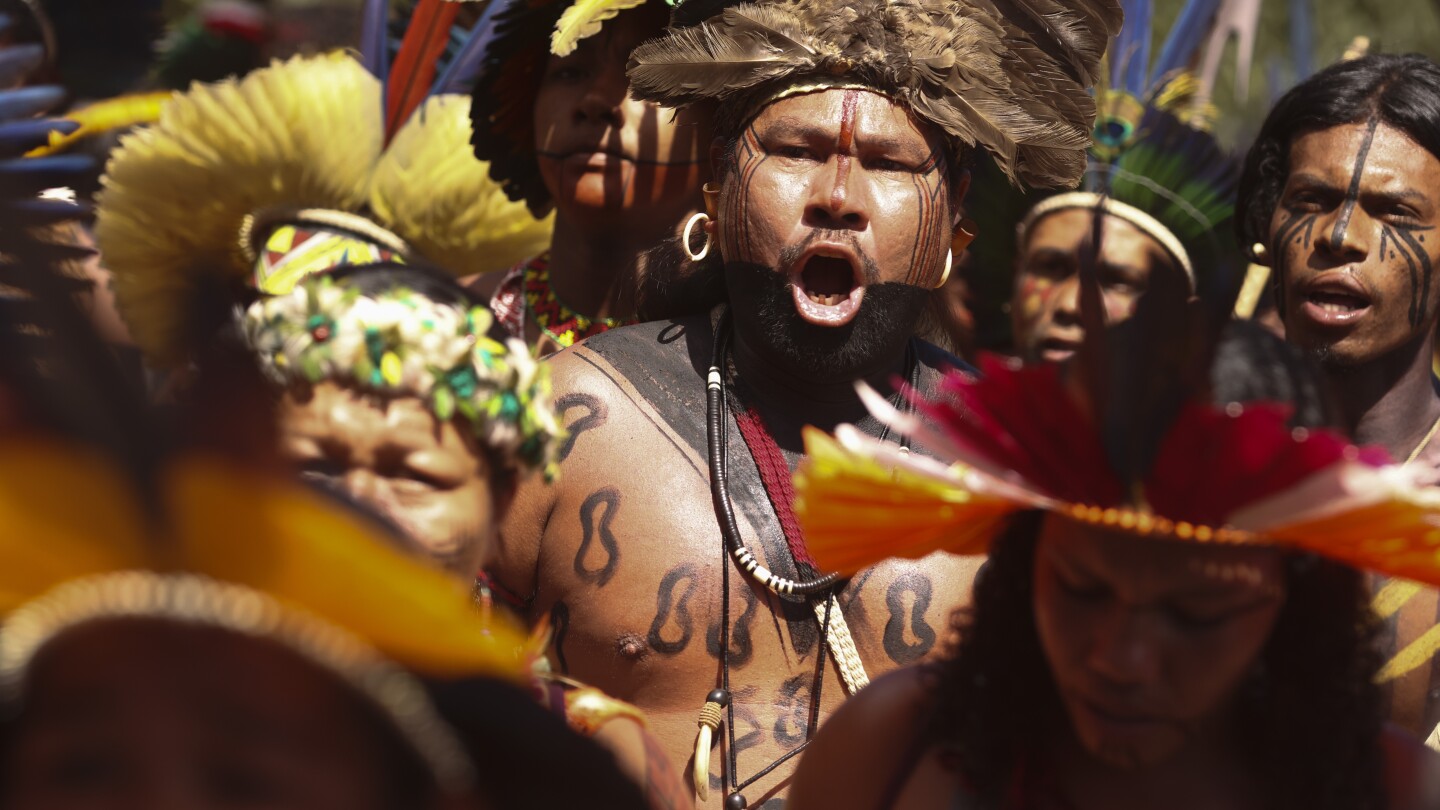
647	605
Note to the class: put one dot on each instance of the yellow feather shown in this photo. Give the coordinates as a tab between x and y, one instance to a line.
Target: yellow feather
241	527
583	19
305	132
106	116
431	190
857	511
1416	654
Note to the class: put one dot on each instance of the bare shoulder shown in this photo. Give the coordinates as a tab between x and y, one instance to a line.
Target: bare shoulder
865	745
1412	771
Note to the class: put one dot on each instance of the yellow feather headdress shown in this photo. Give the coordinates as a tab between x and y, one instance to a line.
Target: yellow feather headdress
247	554
304	137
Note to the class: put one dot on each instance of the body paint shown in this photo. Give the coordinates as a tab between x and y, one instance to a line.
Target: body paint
1352	196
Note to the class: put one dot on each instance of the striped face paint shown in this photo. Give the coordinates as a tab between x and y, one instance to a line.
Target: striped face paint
1352	242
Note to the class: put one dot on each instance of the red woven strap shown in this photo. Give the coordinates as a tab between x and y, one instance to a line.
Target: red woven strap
775	475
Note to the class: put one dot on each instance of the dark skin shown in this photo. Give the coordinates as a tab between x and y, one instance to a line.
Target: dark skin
1148	643
853	168
1045	307
432	481
160	715
632	505
624	173
1354	244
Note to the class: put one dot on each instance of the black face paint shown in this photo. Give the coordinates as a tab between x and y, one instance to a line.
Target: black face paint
1402	239
1342	222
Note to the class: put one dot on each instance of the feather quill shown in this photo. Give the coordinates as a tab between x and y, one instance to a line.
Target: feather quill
460	75
1185	37
1130	52
425	41
373	53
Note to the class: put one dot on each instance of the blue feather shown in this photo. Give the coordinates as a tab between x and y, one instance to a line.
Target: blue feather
1190	30
1130	53
374	48
464	69
1302	38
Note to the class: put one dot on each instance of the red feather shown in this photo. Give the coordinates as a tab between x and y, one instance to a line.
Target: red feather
414	70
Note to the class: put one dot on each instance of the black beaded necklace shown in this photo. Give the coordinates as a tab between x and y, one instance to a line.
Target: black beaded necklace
824	586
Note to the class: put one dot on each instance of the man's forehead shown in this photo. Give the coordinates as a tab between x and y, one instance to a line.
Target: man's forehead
1393	161
829	108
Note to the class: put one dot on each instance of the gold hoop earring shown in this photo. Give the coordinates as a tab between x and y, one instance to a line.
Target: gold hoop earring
949	262
702	218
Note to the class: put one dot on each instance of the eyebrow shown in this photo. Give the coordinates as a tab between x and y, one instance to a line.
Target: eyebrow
1402	195
802	127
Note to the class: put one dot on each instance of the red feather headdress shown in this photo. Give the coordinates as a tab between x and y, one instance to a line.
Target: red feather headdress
1020	439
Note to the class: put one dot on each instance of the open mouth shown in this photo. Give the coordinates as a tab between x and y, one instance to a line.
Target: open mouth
1057	350
827	286
1336	303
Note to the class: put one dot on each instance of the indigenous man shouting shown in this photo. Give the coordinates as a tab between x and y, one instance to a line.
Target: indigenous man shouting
1341	197
668	554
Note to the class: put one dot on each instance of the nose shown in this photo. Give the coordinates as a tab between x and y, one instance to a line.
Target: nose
837	202
1066	297
372	490
1123	649
603	102
1345	238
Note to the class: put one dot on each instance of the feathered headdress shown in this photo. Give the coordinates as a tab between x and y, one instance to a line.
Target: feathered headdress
1154	163
1008	77
191	537
293	170
1129	438
1154	159
247	554
524	35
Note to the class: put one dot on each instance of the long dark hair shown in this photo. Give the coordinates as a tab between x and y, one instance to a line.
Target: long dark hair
1311	716
1403	91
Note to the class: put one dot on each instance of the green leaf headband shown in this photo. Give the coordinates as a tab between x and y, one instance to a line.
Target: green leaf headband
401	342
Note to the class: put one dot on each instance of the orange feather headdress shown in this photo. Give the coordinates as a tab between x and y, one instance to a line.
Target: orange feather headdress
1161	463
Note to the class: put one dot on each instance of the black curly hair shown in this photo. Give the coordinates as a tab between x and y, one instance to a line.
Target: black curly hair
1312	721
1402	90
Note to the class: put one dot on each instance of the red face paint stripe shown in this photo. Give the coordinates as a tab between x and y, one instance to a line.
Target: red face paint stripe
843	146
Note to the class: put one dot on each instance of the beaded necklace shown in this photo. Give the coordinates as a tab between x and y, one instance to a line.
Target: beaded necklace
562	324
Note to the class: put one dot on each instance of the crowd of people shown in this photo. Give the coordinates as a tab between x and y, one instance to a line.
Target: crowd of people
580	403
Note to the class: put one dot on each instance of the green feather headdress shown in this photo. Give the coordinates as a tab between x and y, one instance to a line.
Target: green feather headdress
1153	162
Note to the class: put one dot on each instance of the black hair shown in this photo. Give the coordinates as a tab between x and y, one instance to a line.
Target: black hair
502	104
1310	714
1402	91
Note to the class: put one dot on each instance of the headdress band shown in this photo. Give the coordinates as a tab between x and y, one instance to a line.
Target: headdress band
198	600
1113	207
257	230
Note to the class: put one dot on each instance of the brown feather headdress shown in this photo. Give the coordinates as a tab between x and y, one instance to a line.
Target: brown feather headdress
1008	76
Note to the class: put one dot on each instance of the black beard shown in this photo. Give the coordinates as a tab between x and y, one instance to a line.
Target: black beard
763	307
671	285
